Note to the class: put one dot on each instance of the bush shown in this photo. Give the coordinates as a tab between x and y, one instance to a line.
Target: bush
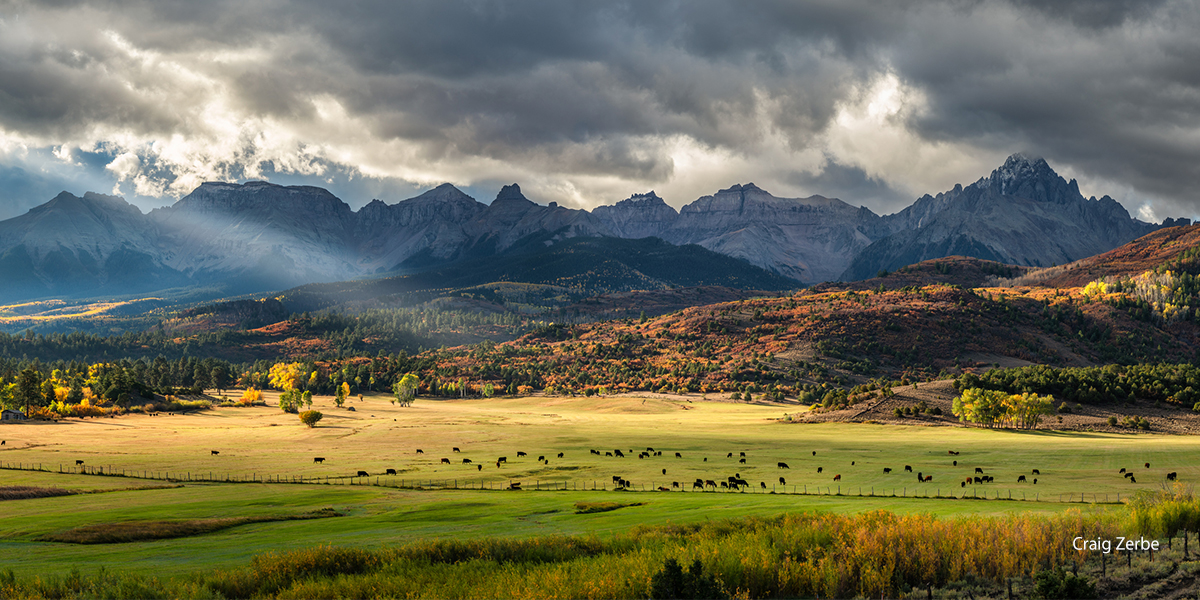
1112	421
673	582
1057	584
1064	409
310	417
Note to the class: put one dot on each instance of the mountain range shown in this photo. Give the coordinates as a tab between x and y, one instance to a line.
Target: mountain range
260	236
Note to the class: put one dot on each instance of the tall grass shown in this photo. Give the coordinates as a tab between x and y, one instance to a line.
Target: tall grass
810	554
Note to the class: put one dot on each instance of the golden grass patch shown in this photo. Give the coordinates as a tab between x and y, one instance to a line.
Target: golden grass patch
136	531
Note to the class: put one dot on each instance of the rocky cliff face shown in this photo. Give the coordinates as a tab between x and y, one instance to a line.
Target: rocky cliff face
261	236
808	239
1023	213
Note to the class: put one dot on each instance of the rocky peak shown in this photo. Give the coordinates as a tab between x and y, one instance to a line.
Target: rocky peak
511	196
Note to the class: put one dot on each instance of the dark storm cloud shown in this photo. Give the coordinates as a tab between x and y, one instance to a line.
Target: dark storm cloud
576	92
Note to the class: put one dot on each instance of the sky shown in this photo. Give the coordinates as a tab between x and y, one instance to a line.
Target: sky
587	103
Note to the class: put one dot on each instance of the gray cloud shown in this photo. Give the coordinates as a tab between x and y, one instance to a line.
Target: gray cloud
585	103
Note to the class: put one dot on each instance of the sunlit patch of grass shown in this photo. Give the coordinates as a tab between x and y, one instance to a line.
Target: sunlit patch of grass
135	531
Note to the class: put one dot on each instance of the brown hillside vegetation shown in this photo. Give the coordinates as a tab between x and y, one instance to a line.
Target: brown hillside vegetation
963	271
807	342
1143	254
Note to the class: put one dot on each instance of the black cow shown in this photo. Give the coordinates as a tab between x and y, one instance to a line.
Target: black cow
1020	479
649	449
819	469
390	472
678	455
420	451
520	454
664	471
619	453
560	454
79	462
956	463
978	480
743	455
763	484
363	474
466	461
782	465
674	484
480	467
705	459
1122	470
616	478
607	453
887	470
979	470
319	459
597	453
1128	475
962	484
1132	480
1147	465
782	481
708	482
445	461
1037	472
741	461
215	452
730	455
502	459
1171	475
516	485
908	468
2	442
456	449
697	484
541	458
814	452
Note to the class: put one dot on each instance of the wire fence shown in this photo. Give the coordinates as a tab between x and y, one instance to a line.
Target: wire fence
598	485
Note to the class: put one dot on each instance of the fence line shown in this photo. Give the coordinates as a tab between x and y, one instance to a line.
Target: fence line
390	481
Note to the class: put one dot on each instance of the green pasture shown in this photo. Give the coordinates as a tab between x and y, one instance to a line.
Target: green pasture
264	443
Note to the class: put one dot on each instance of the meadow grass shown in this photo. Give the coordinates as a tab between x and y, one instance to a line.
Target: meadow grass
265	443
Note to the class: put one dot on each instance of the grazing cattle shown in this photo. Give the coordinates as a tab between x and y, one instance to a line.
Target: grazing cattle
956	463
319	459
968	480
1128	475
1171	475
1037	472
616	478
659	453
445	461
363	474
979	470
1147	465
1132	480
608	453
420	451
814	452
560	454
502	459
952	453
649	449
697	484
978	480
456	449
724	485
819	469
520	454
79	462
390	472
908	468
782	481
920	477
705	459
782	465
730	455
743	454
619	453
480	467
678	455
663	489
541	458
1020	479
887	470
2	442
962	484
497	464
215	452
1035	481
837	477
763	484
741	461
593	452
1122	470
641	455
516	485
928	478
466	461
674	484
852	463
708	482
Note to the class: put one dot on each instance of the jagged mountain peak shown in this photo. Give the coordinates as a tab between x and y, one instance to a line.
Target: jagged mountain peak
511	195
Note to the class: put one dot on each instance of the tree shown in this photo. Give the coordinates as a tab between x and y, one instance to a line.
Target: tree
251	396
976	405
406	389
306	398
286	376
219	378
310	417
340	396
29	388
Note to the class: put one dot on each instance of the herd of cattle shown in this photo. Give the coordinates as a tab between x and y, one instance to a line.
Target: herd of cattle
733	482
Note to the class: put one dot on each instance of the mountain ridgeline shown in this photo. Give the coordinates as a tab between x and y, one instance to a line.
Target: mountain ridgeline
260	236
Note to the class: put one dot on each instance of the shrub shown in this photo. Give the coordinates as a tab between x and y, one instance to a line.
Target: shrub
673	582
1057	584
310	417
1112	421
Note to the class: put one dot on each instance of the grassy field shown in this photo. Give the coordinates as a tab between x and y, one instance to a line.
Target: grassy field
264	443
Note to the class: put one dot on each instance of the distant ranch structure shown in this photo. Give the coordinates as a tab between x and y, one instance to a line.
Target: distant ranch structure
11	415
